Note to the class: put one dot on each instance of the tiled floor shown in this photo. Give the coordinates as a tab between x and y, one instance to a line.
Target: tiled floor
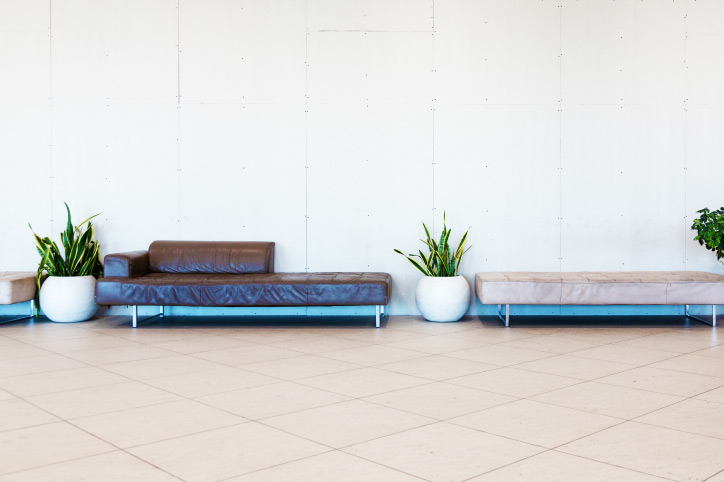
203	400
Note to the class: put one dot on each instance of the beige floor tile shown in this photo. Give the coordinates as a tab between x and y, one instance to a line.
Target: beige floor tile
227	452
58	381
152	333
575	367
443	452
266	335
630	355
362	382
514	382
717	478
612	400
106	356
499	355
30	447
319	344
111	467
104	399
208	382
201	344
300	367
20	350
701	365
160	367
716	395
601	335
5	341
376	336
86	343
440	400
436	344
664	381
536	423
271	400
143	425
653	450
437	367
714	351
328	467
341	424
247	354
679	341
493	335
5	395
36	364
558	467
552	343
695	416
419	325
373	355
16	413
46	331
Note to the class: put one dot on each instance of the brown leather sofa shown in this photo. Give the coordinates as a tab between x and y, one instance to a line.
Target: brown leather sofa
213	273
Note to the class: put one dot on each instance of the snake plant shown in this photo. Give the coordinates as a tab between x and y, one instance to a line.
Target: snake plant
440	261
709	229
81	252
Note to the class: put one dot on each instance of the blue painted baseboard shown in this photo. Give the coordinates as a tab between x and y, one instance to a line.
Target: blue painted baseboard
477	309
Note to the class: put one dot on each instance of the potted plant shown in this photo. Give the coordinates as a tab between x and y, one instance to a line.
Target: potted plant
710	231
67	294
442	295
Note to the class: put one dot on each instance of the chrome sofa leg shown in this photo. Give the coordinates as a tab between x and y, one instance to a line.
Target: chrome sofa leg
710	323
505	320
135	315
378	308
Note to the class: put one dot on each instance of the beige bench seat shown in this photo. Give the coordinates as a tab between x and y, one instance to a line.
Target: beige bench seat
600	288
17	287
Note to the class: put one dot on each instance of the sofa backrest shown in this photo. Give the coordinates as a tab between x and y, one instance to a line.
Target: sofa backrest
202	257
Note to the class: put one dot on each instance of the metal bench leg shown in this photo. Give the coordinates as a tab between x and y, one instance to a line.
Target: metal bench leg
710	323
505	320
378	308
135	316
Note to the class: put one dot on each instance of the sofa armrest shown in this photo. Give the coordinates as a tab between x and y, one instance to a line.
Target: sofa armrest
126	265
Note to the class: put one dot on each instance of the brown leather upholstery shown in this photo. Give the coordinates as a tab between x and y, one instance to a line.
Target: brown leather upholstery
128	265
230	257
207	273
273	289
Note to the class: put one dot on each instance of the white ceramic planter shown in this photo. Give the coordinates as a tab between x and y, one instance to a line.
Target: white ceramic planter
66	299
443	298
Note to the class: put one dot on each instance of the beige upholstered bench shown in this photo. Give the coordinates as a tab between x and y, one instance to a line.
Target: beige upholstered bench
17	287
600	288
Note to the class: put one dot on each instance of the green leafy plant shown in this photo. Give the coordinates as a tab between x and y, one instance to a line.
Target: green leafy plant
709	229
441	261
81	252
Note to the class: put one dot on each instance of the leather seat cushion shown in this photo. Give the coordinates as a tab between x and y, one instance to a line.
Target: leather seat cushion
16	287
273	289
600	288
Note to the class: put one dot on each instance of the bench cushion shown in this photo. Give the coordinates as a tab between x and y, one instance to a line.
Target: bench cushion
211	257
600	288
16	287
273	289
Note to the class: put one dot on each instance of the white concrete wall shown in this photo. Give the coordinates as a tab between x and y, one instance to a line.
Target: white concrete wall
571	135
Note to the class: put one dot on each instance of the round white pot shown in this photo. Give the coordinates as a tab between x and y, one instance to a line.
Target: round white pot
443	298
67	299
